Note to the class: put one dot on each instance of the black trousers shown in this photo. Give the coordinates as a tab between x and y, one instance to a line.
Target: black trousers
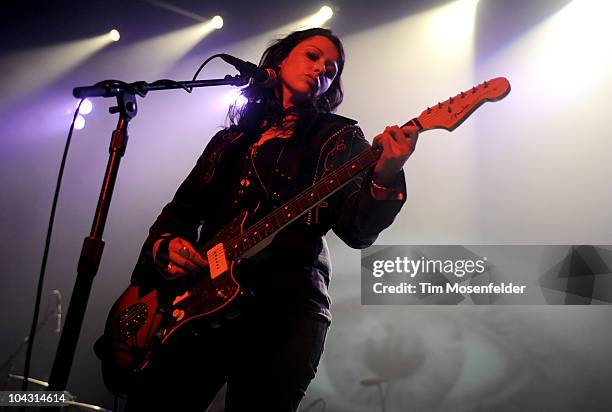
267	360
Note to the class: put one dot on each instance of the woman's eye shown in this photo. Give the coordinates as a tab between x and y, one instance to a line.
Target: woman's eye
312	56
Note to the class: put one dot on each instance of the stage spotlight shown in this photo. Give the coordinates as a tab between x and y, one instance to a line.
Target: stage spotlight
316	20
211	25
114	35
326	13
320	17
21	70
79	123
217	22
570	56
86	107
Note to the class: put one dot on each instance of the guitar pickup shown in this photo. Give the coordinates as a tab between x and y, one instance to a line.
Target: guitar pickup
217	262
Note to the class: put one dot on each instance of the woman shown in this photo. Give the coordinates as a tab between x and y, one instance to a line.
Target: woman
278	144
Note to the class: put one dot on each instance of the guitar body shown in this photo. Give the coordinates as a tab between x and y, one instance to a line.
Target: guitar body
143	319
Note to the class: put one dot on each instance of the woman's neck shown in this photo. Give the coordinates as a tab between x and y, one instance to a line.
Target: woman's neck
283	130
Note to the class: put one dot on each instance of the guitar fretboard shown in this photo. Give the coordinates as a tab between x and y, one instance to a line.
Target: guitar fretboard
300	204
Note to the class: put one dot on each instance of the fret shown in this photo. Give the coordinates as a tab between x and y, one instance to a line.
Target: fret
344	174
231	254
280	218
347	175
326	185
287	212
262	228
368	156
302	203
276	223
312	196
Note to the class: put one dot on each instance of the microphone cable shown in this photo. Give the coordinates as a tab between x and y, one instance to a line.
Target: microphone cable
41	278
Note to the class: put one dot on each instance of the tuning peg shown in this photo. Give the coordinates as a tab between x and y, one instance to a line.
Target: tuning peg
462	95
439	105
473	90
428	109
450	99
486	84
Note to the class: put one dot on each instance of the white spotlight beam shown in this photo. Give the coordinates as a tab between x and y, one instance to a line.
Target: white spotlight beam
28	71
145	57
177	10
422	60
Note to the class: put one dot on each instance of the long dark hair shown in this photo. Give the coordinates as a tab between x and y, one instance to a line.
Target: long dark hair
264	107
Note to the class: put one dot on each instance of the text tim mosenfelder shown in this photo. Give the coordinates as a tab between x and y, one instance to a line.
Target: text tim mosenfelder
456	267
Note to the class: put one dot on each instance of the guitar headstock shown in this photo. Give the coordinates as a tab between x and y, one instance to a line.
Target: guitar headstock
452	112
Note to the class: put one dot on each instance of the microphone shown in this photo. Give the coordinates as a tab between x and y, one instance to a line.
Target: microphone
264	77
59	310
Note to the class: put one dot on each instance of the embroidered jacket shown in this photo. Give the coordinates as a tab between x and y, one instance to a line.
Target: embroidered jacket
293	272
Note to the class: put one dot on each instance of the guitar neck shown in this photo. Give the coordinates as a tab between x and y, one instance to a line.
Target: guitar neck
288	212
446	115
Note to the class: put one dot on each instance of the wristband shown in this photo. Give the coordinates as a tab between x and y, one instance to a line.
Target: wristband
380	192
380	187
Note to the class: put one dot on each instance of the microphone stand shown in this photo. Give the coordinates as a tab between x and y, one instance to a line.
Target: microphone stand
9	363
93	245
378	382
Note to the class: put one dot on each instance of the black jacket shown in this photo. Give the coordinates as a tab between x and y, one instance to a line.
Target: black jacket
293	272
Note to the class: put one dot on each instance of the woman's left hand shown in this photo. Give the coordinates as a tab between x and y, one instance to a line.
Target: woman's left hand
398	144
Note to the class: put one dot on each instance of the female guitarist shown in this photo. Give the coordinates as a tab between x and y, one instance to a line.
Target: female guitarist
278	144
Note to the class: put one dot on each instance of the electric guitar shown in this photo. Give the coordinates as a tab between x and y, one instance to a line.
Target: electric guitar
142	319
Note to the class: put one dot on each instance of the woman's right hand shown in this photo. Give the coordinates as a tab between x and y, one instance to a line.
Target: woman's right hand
180	259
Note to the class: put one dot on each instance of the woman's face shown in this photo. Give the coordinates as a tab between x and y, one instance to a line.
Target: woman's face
308	70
